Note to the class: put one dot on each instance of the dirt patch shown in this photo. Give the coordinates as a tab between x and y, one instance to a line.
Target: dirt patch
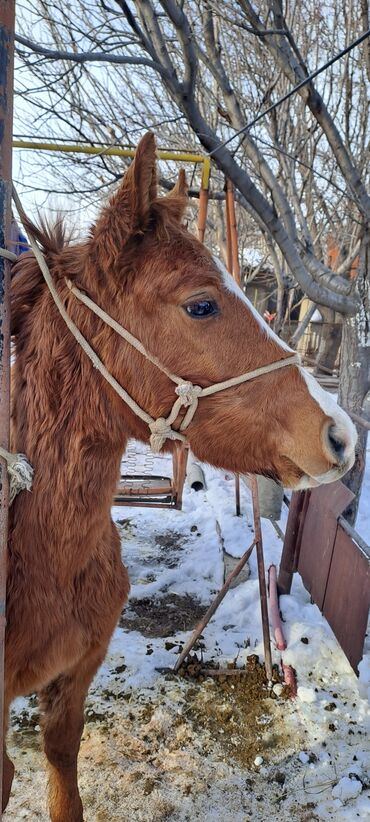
236	710
164	616
170	544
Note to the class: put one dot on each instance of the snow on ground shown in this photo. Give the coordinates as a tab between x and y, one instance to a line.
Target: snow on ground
158	747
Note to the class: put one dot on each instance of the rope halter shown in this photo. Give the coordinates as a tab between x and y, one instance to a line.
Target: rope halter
188	395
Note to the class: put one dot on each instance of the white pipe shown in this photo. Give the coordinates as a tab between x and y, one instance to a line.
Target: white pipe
195	476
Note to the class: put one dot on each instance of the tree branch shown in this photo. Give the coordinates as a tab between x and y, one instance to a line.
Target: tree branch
88	56
292	65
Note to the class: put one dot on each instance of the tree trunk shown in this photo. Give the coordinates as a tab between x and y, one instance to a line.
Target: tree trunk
354	383
331	334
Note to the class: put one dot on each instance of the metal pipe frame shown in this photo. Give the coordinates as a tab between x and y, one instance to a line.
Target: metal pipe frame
114	151
7	18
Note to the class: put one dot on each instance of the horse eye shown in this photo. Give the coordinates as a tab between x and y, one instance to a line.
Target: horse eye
204	308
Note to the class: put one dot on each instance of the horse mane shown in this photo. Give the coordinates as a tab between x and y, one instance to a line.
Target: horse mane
66	257
27	282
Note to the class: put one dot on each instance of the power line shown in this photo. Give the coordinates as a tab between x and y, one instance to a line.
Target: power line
291	92
308	166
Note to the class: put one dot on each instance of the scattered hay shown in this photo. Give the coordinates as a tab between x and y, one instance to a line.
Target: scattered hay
236	710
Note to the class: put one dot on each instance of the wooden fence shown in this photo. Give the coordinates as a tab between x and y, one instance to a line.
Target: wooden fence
333	561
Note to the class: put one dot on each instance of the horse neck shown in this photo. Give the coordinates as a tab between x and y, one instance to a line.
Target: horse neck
71	427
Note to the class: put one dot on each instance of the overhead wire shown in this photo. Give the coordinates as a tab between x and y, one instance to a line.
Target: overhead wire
292	91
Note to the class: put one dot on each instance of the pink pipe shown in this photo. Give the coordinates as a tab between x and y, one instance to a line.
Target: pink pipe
290	678
289	673
274	609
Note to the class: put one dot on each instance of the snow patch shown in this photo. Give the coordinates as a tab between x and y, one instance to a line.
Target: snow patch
347	788
306	694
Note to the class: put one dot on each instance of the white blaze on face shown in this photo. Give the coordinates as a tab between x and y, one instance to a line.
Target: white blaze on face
344	426
233	287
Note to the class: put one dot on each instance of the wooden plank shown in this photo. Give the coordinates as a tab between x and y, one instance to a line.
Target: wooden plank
318	536
347	597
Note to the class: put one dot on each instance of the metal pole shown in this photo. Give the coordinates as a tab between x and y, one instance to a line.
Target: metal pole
228	231
180	461
232	231
202	213
290	555
7	17
261	577
234	269
237	495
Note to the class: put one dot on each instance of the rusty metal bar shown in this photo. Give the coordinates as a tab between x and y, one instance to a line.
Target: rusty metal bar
232	231
126	490
234	269
228	232
202	213
237	495
213	607
7	17
261	576
149	502
289	558
180	462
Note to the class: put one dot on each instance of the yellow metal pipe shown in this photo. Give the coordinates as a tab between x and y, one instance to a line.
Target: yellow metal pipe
113	151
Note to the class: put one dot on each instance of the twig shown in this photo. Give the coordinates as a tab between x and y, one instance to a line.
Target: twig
213	607
225	672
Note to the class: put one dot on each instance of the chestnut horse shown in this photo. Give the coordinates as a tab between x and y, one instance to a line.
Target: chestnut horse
66	581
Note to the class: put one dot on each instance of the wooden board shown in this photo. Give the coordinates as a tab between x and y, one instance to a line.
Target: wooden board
347	597
318	536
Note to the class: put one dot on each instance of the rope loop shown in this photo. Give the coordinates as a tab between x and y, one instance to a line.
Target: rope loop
20	473
8	255
160	432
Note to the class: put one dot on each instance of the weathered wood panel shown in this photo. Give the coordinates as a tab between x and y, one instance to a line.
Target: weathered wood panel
333	561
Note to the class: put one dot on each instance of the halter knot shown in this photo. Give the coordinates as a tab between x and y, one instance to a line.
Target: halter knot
20	473
188	393
160	432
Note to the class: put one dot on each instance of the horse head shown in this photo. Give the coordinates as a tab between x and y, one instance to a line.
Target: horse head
159	282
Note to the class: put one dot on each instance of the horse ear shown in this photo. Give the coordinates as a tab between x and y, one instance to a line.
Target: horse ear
180	188
177	199
128	211
141	179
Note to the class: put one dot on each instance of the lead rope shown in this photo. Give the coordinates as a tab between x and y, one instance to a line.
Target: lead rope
187	394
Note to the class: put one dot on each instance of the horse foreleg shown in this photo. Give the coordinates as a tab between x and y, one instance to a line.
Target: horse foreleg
8	767
8	774
62	706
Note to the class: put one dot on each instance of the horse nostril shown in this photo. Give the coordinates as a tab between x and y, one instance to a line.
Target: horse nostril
336	444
